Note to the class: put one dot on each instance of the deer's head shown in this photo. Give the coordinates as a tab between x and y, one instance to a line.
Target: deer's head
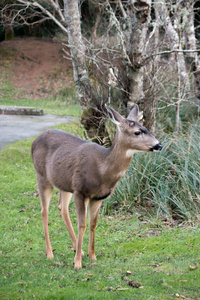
132	135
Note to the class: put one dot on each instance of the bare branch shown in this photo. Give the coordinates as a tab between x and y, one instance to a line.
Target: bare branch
45	11
68	55
56	6
121	34
171	51
122	9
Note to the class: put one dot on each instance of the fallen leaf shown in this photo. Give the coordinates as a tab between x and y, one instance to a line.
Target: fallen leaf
86	279
134	284
128	272
193	267
36	194
156	265
27	243
183	280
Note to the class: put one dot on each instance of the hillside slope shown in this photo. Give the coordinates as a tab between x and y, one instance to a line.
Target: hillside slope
36	65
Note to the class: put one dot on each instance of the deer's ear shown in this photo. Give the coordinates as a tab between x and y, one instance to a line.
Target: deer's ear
134	114
115	117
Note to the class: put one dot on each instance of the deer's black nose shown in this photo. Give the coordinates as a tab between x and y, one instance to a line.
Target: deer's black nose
157	147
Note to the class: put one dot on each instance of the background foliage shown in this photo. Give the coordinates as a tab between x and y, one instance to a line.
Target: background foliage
166	184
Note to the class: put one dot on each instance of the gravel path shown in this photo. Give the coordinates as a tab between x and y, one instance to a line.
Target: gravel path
14	128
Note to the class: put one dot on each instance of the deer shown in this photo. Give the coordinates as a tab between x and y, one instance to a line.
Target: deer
88	171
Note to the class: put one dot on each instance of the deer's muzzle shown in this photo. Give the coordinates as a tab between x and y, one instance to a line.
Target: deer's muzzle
157	147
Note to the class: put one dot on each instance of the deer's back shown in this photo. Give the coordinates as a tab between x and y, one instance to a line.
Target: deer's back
52	147
67	162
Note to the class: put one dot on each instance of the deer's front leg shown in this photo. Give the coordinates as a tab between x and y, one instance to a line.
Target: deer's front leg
94	207
81	209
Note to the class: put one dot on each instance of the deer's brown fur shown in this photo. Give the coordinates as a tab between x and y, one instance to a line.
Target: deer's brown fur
87	170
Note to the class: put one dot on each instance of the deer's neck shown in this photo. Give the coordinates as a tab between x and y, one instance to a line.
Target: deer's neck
118	158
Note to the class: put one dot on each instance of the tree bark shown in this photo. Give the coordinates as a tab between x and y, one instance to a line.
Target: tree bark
175	41
138	30
9	32
190	39
78	51
175	38
139	16
92	115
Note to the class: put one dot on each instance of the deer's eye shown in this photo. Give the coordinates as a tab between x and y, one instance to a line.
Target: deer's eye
137	132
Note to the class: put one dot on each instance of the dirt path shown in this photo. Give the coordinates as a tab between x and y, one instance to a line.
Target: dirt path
36	65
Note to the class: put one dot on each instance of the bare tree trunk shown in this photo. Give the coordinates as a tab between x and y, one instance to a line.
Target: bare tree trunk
192	57
157	34
138	15
92	115
137	45
155	64
94	34
178	103
174	39
9	32
78	51
197	81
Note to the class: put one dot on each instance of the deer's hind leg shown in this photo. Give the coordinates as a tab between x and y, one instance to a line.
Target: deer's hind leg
81	209
45	192
63	205
94	207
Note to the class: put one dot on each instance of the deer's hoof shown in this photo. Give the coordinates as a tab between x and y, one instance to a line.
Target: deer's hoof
77	265
50	255
92	256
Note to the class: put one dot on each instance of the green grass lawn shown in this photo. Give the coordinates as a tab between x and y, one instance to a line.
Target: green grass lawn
163	260
65	104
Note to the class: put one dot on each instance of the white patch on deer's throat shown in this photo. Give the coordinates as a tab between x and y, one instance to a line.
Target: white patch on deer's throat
121	174
130	152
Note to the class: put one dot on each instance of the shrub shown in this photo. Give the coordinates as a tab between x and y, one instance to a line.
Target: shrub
165	183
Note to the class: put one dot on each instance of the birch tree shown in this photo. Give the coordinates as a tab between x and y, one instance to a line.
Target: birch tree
92	115
121	56
77	50
139	14
191	44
